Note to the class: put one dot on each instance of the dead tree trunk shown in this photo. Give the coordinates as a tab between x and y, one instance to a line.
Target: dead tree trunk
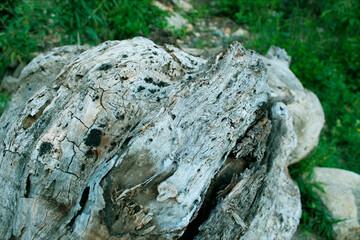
131	140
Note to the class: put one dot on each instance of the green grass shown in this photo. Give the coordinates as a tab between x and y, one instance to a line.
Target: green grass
323	38
29	27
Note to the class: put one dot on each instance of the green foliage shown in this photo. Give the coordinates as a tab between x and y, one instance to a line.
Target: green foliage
78	20
7	12
83	21
179	33
22	35
247	11
323	38
201	12
30	26
127	18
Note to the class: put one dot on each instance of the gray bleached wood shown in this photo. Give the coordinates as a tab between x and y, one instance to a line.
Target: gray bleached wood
265	202
131	140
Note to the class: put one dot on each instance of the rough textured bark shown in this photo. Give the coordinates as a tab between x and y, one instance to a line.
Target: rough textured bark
135	141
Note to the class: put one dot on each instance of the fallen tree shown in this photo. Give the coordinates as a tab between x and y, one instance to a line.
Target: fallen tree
130	140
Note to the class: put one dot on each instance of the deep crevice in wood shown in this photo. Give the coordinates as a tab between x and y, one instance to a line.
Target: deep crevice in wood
221	184
82	202
27	188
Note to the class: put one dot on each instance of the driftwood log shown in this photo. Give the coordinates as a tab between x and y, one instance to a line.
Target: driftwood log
130	140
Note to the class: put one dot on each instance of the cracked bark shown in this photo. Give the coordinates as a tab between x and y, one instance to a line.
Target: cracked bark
134	141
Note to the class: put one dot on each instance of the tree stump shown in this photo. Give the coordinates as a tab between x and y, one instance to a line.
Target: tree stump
130	140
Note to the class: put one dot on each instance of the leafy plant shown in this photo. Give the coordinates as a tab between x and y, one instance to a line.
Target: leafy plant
95	21
28	27
31	26
7	12
77	20
201	12
129	18
22	36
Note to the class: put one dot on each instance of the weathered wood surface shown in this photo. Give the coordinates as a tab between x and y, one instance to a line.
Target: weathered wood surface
135	141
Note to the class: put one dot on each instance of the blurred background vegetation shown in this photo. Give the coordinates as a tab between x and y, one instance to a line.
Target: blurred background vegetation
28	27
322	36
